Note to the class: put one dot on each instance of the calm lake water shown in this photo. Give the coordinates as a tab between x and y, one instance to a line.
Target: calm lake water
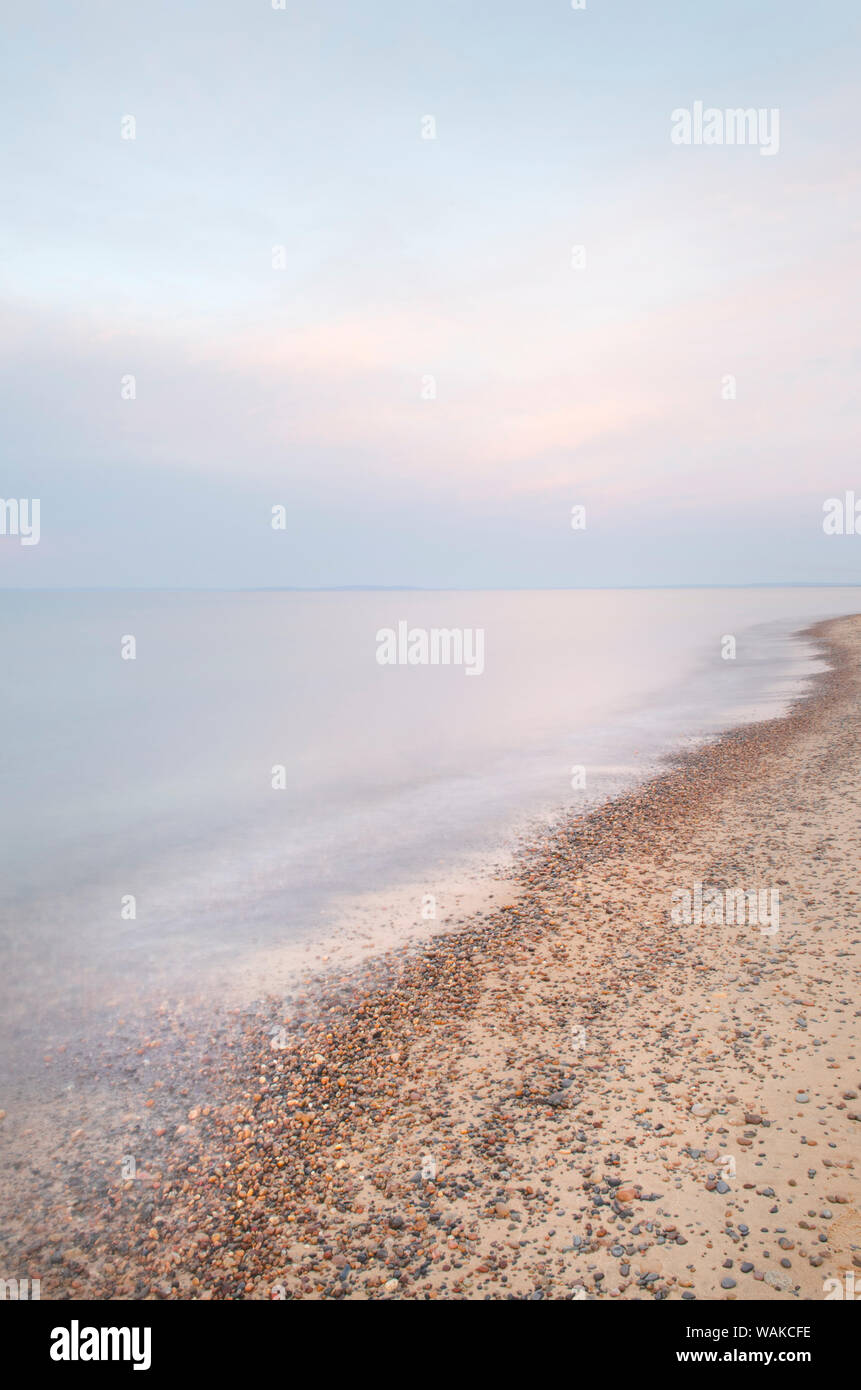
152	778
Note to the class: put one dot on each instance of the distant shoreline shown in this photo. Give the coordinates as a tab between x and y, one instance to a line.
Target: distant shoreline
416	588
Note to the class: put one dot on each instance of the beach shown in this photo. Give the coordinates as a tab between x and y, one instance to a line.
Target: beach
636	1076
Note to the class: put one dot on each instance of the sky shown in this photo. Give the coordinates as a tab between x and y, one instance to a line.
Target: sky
391	336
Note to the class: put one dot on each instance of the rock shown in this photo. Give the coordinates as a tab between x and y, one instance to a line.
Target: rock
556	1098
781	1282
727	1283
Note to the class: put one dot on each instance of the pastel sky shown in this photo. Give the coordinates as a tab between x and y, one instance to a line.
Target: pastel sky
408	258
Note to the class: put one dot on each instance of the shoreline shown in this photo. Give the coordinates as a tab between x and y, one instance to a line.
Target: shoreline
236	898
524	1057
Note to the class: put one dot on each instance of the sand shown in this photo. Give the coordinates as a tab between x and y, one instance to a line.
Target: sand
570	1096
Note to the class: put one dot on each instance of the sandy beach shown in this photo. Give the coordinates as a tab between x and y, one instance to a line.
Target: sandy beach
578	1094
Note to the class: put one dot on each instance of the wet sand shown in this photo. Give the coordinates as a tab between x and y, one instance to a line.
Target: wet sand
570	1096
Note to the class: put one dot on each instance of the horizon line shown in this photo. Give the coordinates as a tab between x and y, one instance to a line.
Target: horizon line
412	588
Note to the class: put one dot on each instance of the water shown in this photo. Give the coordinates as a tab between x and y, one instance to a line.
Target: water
152	777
